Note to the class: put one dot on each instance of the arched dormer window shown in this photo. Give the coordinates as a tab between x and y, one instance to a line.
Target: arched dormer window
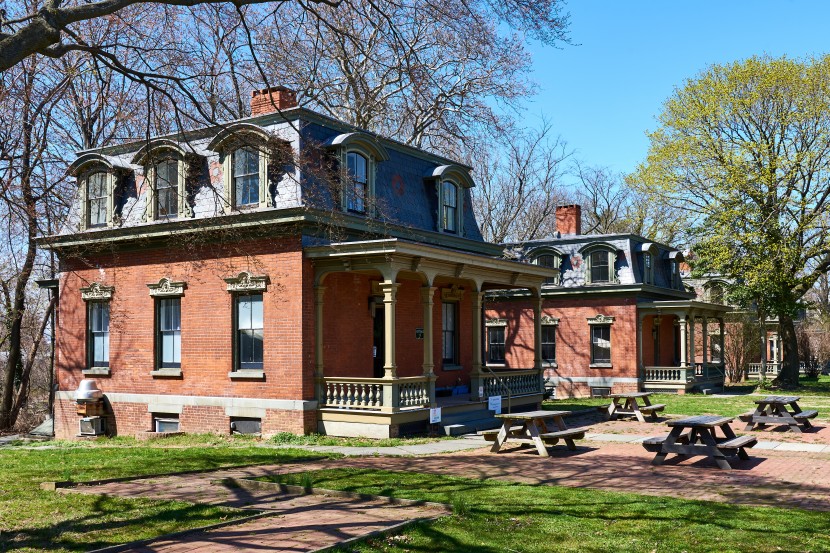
166	164
649	254
600	259
358	153
252	163
451	182
716	292
98	179
549	258
675	258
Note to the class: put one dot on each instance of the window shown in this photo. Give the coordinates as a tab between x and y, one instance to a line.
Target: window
600	267
167	188
674	274
600	344
450	206
165	422
495	344
358	182
648	271
716	293
99	333
246	425
249	331
549	261
449	314
96	199
169	337
246	177
549	343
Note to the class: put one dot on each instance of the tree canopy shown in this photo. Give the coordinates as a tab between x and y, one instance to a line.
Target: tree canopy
744	150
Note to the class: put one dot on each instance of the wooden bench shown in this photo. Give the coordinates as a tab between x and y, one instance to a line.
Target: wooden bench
552	438
654	443
737	445
603	408
655	407
804	415
490	435
746	417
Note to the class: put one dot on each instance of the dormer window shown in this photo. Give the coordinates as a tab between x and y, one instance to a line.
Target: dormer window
166	175
599	263
648	269
357	187
549	260
600	267
675	258
246	177
449	201
97	199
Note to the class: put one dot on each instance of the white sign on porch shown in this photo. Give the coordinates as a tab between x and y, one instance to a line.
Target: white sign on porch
481	391
494	404
435	415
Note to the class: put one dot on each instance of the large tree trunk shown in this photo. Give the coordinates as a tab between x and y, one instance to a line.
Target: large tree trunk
789	361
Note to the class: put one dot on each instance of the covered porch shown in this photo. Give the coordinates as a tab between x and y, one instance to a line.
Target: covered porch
398	330
680	346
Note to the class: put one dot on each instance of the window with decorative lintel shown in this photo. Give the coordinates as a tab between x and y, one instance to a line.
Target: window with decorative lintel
168	165
451	184
600	259
600	327
248	324
97	297
549	326
167	296
549	258
358	155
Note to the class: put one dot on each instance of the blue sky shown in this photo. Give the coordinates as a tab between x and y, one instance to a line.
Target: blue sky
605	91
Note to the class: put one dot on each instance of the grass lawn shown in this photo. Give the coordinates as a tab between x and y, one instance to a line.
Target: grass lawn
495	516
35	520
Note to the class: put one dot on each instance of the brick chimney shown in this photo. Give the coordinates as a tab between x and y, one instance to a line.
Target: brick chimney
569	219
269	100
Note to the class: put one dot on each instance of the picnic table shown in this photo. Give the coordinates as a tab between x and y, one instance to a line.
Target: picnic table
773	410
533	428
697	436
627	405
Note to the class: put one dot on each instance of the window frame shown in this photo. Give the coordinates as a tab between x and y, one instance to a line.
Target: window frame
160	364
237	348
183	209
352	182
453	361
165	191
496	326
91	362
648	268
106	198
450	213
260	177
548	360
596	361
588	253
556	263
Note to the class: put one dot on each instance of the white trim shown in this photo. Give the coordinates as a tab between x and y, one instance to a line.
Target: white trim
202	401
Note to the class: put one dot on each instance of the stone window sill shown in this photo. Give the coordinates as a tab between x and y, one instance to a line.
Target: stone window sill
160	373
550	365
601	365
452	367
97	371
496	365
246	374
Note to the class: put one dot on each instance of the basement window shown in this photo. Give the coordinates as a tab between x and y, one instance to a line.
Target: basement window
165	422
246	425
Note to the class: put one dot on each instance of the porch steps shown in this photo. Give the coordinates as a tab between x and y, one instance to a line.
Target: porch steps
469	422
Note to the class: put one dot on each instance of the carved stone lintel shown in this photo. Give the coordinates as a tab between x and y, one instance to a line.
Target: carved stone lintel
452	294
166	287
600	319
495	322
547	320
246	282
97	291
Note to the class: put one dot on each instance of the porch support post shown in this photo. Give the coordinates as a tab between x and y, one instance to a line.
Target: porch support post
641	368
692	353
705	341
476	376
683	342
319	370
722	360
427	300
537	332
390	289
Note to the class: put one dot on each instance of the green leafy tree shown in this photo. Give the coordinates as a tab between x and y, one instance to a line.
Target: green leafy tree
744	150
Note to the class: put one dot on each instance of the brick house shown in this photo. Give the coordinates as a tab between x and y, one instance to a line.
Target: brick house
285	272
618	317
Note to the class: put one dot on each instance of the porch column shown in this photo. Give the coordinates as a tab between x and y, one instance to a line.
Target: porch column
722	326
641	368
476	380
681	322
692	353
537	332
427	300
319	371
390	289
705	340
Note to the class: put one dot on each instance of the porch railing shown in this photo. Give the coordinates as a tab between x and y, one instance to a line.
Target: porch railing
772	369
675	375
518	381
708	371
376	394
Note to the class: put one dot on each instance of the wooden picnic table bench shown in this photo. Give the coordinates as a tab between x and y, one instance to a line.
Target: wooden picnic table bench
627	405
531	428
775	410
697	436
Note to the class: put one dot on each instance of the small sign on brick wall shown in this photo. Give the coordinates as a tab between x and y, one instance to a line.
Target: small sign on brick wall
435	415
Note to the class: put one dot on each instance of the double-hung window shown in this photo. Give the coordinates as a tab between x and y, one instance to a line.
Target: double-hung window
98	317
648	269
600	344
169	333
246	176
96	199
450	206
549	343
495	344
600	267
249	331
358	183
167	188
449	322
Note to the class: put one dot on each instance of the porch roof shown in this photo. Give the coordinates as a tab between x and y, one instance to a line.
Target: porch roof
688	307
392	256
